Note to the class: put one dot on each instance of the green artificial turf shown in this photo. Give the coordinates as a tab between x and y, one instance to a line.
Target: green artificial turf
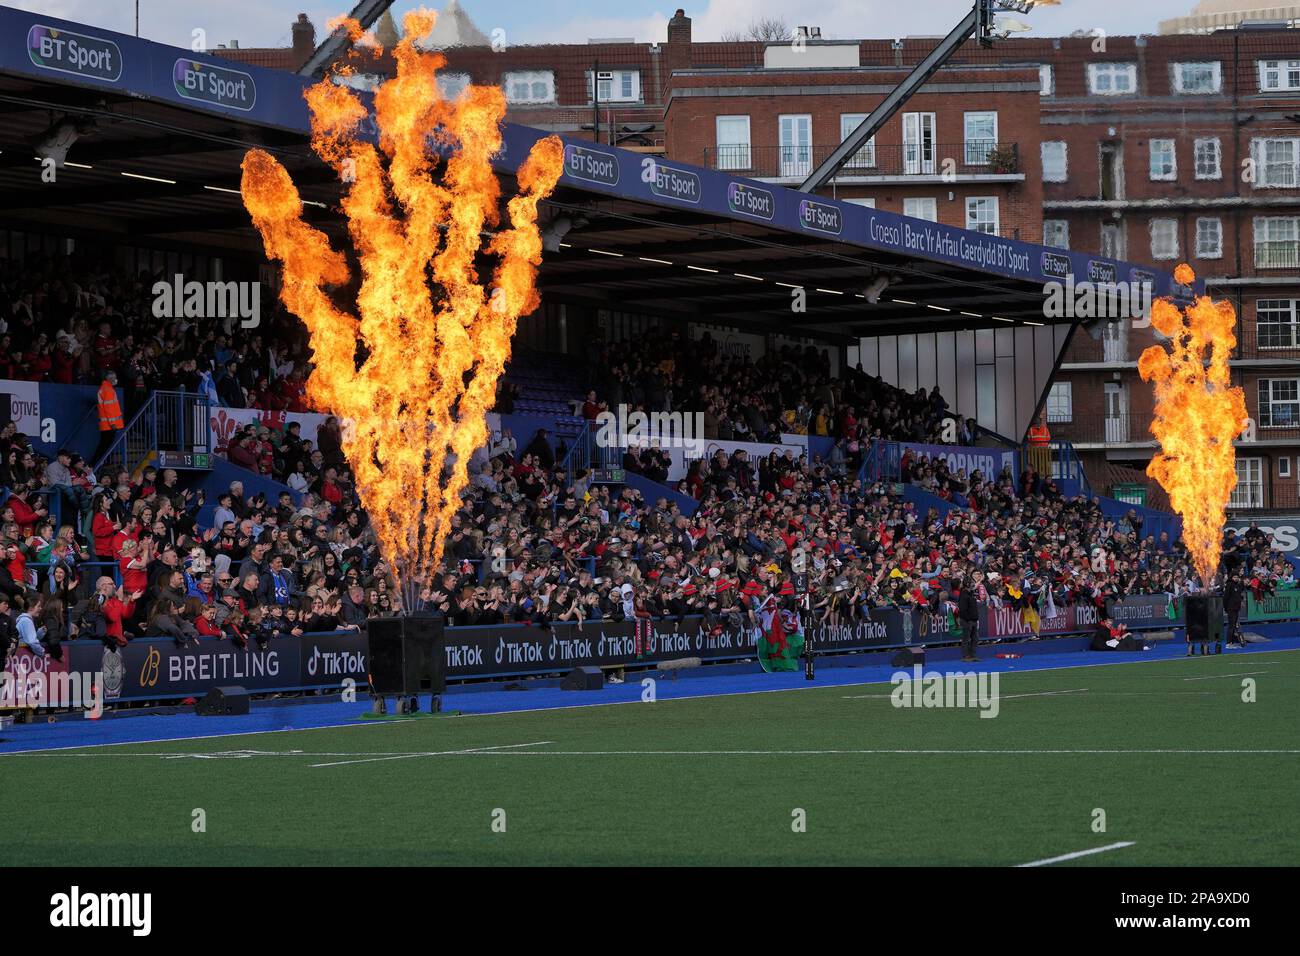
675	805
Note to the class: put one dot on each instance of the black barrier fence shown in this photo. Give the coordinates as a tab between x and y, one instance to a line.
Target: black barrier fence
156	669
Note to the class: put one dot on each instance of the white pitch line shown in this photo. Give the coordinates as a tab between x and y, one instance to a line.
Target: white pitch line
1001	697
434	753
1221	676
607	703
508	750
485	752
1078	853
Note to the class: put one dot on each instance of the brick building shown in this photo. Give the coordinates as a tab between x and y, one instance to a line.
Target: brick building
1173	149
1156	149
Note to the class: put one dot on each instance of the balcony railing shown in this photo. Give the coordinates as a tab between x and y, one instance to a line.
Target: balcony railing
1108	429
794	162
1277	254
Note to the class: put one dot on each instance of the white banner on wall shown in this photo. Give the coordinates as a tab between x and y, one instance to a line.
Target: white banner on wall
732	342
20	403
224	422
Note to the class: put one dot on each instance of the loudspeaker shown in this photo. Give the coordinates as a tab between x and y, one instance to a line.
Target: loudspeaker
406	655
584	678
1204	618
223	702
907	657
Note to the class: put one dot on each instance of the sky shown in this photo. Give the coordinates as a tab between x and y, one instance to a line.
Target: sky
266	22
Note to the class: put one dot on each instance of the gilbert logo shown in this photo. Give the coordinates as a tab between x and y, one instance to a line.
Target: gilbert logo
93	910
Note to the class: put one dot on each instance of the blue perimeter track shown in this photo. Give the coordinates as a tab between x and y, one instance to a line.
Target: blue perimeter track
307	713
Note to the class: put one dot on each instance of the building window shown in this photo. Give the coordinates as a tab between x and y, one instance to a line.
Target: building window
1164	238
616	86
982	214
1164	161
794	137
1055	164
1277	323
1112	79
1056	233
1284	467
1060	403
451	85
1249	492
1046	80
1279	402
1277	162
921	207
533	86
1198	77
733	142
1277	242
1275	75
1209	238
861	201
981	137
865	157
1209	159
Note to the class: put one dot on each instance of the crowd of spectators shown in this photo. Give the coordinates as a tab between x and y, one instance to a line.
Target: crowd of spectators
531	543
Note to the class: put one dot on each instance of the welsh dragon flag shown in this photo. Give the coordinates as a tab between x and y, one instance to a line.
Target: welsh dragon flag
781	641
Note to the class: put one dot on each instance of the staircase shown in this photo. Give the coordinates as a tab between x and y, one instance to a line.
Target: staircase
170	430
549	384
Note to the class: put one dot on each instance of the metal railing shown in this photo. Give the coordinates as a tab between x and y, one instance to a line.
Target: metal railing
788	162
173	423
1277	254
589	454
1117	429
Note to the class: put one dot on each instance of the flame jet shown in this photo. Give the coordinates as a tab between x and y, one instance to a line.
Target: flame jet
414	372
1198	414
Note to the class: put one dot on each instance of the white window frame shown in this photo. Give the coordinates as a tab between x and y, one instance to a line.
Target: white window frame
1215	77
794	158
1156	228
860	201
1281	173
975	205
530	78
918	205
920	139
1207	158
1279	76
1277	242
1058	236
1060	403
1046	80
1059	170
1282	315
977	148
1161	149
1111	72
1209	241
622	78
1266	416
1284	466
451	85
1249	492
865	157
733	155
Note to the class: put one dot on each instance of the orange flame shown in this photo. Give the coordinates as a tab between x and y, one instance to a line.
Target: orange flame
1198	413
415	372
